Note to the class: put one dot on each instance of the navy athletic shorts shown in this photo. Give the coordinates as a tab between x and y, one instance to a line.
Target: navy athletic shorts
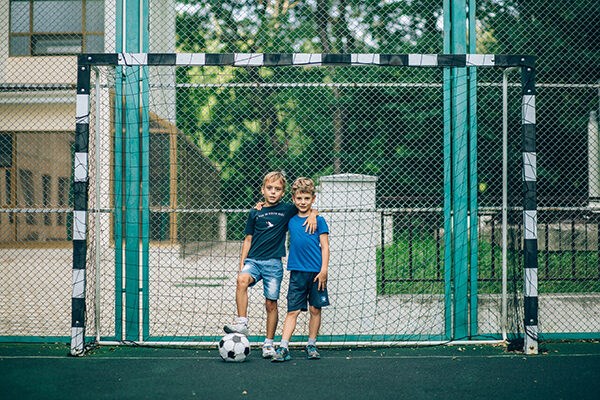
303	290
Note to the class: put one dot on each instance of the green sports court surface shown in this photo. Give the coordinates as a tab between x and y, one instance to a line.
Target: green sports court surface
45	371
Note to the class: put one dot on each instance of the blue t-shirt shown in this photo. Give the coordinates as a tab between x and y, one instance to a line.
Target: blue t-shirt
268	227
305	249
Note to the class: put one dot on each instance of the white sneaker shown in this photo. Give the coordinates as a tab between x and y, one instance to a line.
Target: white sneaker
236	328
268	351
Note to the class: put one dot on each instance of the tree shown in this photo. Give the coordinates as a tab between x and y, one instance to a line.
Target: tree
564	37
392	132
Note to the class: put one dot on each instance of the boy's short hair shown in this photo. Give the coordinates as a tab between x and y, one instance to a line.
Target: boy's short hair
275	176
303	185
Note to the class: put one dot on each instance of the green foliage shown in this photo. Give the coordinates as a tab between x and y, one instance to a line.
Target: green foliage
318	129
564	37
394	133
417	266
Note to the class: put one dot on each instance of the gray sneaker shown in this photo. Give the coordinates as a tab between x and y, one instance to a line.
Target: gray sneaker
236	328
281	354
312	353
268	351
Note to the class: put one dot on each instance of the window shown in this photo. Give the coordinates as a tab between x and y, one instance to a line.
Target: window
6	154
56	27
47	197
6	150
7	188
6	159
8	197
26	182
63	199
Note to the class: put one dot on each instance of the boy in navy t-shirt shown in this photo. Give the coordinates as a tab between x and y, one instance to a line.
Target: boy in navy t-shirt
308	263
260	259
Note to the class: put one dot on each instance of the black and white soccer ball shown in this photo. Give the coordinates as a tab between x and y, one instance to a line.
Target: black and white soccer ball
234	347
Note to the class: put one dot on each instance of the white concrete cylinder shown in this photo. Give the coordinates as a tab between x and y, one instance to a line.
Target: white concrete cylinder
347	202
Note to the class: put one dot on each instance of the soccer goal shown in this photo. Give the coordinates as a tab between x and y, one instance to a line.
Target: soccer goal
430	242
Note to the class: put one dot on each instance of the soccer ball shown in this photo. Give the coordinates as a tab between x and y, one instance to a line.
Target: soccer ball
234	347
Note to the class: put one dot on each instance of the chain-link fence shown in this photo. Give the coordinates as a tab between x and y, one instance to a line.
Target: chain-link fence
214	132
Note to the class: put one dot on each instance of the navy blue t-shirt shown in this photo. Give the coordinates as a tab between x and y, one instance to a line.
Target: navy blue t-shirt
268	228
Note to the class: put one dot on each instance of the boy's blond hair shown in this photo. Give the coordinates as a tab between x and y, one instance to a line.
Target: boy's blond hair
275	176
303	185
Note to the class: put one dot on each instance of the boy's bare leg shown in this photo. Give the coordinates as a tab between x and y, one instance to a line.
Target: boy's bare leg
241	294
283	353
314	323
272	317
268	350
289	325
241	302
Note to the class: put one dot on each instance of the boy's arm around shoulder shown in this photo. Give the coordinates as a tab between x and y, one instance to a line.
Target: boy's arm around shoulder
311	221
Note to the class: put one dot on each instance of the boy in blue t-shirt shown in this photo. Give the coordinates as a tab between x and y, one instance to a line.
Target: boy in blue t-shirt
260	259
308	263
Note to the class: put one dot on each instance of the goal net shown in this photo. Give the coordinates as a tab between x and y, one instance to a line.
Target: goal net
407	151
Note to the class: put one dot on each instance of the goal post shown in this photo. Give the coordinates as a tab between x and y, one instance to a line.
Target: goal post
137	117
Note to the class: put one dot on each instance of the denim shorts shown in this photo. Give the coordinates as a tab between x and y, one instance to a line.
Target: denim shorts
302	290
271	273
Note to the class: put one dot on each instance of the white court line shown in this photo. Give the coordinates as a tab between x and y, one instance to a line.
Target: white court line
380	357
